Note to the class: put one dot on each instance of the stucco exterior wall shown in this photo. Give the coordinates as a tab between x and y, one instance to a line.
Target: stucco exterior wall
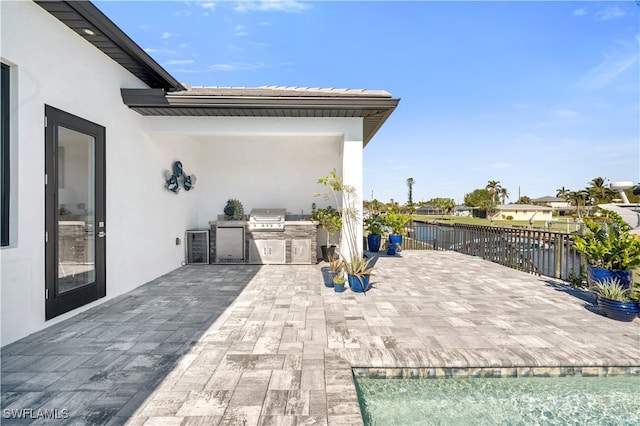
266	162
263	162
52	65
524	215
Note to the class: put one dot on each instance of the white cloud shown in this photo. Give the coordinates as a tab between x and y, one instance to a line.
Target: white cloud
240	31
500	166
210	6
565	113
606	71
166	35
183	12
179	62
238	66
610	13
579	12
270	5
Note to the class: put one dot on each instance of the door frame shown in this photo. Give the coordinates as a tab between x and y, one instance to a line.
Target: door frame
57	303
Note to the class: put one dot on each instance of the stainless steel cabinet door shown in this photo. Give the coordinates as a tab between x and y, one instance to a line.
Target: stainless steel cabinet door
267	251
301	251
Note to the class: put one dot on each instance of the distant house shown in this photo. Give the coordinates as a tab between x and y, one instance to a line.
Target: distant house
463	211
554	202
91	125
429	210
523	212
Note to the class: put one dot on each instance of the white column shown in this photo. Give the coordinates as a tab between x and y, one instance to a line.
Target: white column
352	164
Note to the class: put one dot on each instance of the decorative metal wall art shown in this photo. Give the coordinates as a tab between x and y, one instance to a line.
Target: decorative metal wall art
179	178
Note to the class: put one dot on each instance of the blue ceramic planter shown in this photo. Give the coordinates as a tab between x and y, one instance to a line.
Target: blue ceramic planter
359	286
327	276
338	288
395	239
620	311
373	241
598	274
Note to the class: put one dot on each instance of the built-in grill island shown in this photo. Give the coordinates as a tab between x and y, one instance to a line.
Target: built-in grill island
267	236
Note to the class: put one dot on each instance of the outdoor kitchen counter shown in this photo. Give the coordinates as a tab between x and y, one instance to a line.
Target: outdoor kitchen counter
296	244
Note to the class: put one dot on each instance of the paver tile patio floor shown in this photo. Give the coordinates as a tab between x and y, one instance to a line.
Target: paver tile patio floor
246	344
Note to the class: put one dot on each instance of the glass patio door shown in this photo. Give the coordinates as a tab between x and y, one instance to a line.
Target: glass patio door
75	220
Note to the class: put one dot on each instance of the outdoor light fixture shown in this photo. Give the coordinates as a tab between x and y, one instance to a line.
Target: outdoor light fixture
177	178
89	32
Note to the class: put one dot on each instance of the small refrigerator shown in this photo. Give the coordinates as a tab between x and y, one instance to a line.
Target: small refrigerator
229	244
197	246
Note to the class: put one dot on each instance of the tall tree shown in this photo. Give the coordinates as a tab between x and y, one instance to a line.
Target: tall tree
494	187
445	205
410	183
562	192
599	191
578	198
504	194
480	198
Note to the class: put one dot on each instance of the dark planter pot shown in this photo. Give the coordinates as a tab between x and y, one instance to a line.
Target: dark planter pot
357	285
373	241
328	252
338	288
620	311
391	250
598	274
395	239
327	276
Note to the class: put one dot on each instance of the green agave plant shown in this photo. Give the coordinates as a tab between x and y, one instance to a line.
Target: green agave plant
610	288
608	243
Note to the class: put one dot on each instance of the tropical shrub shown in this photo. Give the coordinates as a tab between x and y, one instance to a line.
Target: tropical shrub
608	244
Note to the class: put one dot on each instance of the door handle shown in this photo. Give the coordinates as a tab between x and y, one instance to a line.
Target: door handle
101	234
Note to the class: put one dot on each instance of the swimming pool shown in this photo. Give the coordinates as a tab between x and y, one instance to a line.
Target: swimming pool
566	400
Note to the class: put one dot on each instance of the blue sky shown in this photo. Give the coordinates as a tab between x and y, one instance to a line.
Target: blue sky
536	95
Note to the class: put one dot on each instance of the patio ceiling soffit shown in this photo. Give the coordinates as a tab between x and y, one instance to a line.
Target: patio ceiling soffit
92	25
374	107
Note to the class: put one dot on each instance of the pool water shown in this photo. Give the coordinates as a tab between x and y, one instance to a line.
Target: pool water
569	400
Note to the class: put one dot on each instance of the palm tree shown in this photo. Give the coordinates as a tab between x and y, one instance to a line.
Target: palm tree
410	183
598	190
494	188
562	192
504	194
578	198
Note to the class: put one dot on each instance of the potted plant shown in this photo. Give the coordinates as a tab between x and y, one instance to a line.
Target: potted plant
330	220
611	251
358	268
338	283
329	272
615	300
359	272
397	222
373	225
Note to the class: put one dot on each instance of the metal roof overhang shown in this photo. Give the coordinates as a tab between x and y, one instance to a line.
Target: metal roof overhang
373	110
83	16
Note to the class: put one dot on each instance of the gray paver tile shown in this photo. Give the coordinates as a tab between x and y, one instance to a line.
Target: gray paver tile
205	403
272	345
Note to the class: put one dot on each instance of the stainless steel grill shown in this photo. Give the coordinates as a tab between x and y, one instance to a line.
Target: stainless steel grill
267	219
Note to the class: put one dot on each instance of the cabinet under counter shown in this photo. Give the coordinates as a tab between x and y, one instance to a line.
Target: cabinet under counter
296	244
